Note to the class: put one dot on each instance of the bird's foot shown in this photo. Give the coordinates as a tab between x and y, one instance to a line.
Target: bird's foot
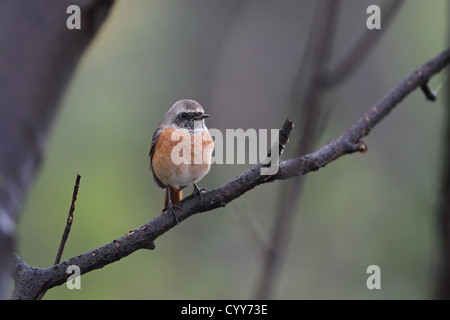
198	191
171	208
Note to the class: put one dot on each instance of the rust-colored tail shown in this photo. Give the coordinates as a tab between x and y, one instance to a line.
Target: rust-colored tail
175	196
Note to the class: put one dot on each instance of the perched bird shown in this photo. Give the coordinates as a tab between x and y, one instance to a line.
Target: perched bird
181	151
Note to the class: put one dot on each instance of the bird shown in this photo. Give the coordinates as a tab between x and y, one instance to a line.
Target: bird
181	151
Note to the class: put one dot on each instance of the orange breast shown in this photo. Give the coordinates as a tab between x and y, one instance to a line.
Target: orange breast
181	158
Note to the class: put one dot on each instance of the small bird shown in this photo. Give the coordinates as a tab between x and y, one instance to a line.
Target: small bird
181	151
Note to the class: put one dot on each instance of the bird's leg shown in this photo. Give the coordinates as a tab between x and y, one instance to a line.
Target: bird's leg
171	207
198	191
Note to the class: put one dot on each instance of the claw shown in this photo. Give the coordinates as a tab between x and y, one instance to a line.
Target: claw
198	191
171	208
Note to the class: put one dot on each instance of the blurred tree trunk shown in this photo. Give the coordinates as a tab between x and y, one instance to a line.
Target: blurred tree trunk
37	58
309	105
442	286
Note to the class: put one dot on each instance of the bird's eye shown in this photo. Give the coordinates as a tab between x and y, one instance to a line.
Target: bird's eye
184	115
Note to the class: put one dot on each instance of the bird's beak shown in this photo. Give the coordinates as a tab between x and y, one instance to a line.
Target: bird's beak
202	116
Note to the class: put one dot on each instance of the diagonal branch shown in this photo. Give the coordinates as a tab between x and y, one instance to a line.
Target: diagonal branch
32	282
69	220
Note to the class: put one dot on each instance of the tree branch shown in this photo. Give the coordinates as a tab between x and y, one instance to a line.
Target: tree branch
428	92
69	220
350	141
40	280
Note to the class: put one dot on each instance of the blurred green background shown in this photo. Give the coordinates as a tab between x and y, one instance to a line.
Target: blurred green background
239	59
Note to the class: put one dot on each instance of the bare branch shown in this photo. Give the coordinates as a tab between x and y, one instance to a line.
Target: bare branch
428	92
40	280
69	220
350	141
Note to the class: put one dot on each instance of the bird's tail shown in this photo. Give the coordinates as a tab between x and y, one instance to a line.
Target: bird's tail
175	196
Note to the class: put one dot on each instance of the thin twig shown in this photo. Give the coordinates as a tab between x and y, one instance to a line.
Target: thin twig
428	92
69	220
